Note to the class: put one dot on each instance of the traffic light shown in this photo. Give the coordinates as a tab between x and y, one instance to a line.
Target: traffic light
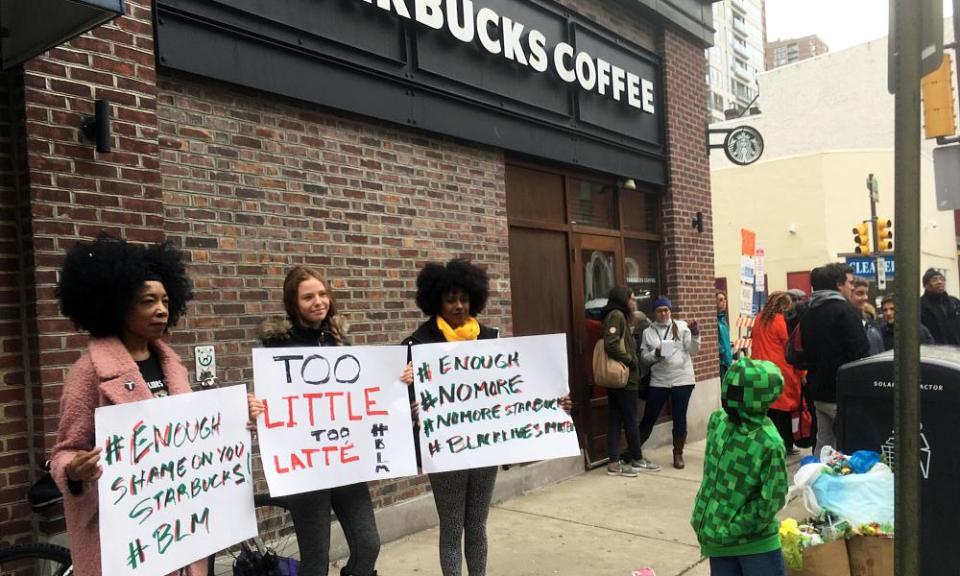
861	237
939	117
884	234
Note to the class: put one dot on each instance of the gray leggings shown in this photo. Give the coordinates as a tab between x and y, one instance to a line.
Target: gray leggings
463	500
311	521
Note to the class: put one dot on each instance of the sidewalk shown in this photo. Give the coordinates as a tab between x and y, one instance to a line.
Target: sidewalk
592	524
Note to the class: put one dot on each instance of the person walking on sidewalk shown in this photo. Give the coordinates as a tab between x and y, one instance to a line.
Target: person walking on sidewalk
311	319
861	301
724	349
619	345
769	339
744	476
939	311
668	348
832	334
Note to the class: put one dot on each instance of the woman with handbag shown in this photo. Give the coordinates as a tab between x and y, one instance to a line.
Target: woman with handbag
668	348
769	339
619	345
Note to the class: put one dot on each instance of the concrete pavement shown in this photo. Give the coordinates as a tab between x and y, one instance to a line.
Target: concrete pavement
592	524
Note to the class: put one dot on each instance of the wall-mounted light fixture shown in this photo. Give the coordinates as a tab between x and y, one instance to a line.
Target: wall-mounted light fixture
628	184
97	127
698	222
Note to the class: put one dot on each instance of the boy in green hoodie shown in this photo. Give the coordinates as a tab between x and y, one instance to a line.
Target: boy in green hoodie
744	476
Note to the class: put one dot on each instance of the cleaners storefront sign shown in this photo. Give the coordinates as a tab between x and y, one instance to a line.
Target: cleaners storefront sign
528	47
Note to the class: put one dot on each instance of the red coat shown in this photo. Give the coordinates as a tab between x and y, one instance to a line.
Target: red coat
105	375
768	343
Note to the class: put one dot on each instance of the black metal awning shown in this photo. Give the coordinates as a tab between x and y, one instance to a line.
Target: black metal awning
29	27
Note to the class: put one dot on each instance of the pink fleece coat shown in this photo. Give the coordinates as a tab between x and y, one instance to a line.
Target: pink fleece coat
105	375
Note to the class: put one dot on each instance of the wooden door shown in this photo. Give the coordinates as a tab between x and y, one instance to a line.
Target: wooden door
597	267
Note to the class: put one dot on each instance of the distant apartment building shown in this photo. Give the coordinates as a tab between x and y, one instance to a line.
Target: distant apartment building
782	52
736	57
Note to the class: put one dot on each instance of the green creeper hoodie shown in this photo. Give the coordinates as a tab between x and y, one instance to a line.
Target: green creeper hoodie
745	470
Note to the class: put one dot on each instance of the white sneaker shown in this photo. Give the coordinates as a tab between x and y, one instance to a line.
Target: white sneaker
620	469
644	465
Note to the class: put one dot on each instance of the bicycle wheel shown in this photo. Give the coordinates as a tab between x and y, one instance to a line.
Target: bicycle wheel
35	560
275	533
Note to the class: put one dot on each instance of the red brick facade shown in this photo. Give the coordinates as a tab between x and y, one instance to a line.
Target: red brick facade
688	254
250	184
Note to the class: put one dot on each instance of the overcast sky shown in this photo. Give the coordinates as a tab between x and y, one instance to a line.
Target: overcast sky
840	23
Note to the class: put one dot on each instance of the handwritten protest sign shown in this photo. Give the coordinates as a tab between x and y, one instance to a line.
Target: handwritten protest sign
334	416
492	402
177	480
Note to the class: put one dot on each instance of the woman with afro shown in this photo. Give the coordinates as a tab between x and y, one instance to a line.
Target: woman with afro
127	296
452	295
311	320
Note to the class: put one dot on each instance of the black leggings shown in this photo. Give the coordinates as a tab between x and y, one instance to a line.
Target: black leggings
622	415
311	521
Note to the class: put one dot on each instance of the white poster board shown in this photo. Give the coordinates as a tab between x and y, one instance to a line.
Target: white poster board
334	416
493	402
177	480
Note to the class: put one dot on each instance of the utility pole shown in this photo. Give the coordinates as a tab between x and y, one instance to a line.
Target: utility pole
908	48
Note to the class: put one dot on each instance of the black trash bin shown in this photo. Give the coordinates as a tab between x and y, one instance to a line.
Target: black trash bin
865	396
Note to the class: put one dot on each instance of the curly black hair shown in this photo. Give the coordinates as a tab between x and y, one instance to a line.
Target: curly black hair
436	280
102	278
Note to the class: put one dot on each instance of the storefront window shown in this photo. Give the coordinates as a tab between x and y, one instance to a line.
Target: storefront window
593	204
641	263
640	210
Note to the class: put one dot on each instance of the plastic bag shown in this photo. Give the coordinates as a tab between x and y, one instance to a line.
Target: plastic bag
254	562
863	461
803	482
857	498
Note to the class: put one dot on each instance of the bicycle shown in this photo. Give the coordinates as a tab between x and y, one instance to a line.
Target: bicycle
35	559
38	558
263	555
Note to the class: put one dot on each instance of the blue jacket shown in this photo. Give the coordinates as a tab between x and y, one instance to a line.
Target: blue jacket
723	340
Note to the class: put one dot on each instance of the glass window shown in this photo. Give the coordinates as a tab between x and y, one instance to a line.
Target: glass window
641	263
593	204
640	209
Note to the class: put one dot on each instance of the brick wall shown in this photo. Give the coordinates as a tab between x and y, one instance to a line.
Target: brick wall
15	470
254	184
688	254
74	192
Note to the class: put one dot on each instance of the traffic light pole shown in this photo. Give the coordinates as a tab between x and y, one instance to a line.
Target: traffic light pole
907	250
878	262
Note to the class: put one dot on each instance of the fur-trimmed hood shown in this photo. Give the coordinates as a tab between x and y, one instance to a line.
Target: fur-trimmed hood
279	331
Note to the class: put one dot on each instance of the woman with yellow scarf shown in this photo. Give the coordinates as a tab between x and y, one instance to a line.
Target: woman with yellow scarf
452	295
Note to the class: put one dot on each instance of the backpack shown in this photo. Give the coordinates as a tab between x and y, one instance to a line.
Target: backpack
793	349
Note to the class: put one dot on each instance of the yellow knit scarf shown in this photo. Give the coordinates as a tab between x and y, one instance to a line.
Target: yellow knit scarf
469	331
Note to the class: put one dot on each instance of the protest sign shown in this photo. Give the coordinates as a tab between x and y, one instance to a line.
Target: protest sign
492	402
177	480
333	416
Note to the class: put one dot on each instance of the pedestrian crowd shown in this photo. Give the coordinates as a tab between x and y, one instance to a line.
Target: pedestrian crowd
128	297
798	347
